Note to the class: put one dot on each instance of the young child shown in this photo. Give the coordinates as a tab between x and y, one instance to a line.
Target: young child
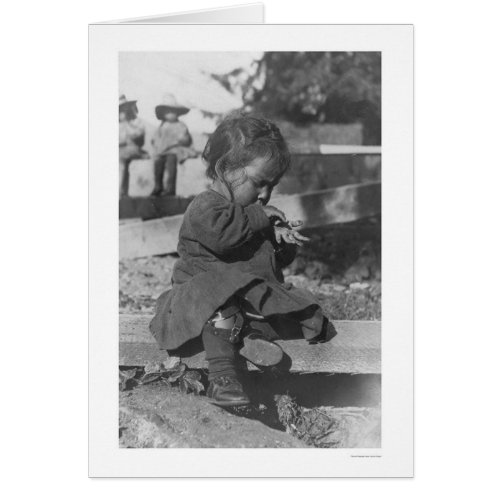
227	286
131	139
171	143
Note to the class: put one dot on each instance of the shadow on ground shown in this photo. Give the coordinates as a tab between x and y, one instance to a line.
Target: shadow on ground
309	392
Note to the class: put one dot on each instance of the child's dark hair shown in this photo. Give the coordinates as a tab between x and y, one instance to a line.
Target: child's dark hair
239	139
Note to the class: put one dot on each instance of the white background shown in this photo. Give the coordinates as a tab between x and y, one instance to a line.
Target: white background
44	256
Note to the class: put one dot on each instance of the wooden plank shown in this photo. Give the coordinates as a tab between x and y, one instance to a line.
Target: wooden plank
316	209
332	206
337	149
307	139
152	207
314	172
129	221
155	237
355	348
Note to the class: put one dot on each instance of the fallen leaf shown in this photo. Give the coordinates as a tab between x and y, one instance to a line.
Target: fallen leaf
126	379
152	367
190	382
198	387
183	385
177	372
192	375
147	378
170	363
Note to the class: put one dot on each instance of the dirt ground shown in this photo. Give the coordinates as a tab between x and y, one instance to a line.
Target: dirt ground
160	416
155	416
341	266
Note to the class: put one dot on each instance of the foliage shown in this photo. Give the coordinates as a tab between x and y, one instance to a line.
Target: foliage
333	87
187	380
349	427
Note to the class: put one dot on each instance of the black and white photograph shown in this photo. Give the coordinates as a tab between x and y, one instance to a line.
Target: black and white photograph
251	259
250	249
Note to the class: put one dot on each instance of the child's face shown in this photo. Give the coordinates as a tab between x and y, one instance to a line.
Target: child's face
259	181
170	117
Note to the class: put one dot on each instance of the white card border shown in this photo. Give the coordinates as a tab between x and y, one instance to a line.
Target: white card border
395	458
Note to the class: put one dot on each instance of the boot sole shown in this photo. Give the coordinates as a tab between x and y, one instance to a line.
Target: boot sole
261	352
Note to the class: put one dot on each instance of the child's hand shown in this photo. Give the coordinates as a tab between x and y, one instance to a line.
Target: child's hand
274	213
286	234
295	223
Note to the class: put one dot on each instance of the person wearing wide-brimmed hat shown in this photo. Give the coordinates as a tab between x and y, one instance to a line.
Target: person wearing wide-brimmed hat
171	144
131	136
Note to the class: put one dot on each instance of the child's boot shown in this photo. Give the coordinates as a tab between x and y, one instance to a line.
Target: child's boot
260	351
221	354
257	348
226	390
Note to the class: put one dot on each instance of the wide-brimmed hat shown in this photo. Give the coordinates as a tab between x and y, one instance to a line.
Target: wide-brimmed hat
124	104
170	103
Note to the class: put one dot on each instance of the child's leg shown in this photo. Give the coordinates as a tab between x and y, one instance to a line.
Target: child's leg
159	169
256	346
171	177
220	354
124	177
220	341
227	340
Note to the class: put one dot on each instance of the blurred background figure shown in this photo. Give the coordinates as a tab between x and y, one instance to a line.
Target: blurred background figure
131	136
171	145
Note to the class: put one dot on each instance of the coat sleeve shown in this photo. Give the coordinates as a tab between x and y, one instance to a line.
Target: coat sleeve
222	226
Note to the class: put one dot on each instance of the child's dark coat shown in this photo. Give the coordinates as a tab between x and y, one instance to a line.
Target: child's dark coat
225	250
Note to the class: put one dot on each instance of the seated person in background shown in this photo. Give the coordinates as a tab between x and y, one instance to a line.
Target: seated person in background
171	143
131	140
